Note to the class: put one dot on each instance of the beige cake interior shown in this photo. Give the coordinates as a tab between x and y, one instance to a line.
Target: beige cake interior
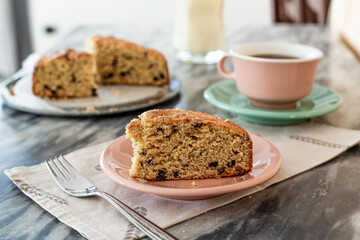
187	149
65	75
122	62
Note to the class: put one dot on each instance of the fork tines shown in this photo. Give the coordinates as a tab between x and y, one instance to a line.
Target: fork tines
61	168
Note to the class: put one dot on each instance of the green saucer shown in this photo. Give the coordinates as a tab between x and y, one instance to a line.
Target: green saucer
226	96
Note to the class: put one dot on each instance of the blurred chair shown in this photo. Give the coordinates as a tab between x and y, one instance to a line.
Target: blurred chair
344	23
301	11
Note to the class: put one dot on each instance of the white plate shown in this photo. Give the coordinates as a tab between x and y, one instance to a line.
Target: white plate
111	99
108	95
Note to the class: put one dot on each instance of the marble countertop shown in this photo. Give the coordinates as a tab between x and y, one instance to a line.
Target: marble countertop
323	203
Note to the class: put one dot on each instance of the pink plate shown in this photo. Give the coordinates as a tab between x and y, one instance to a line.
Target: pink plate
116	161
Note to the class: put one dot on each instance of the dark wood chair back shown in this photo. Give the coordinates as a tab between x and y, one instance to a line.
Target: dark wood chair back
301	11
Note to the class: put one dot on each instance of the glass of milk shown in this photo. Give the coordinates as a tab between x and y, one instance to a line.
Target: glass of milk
199	31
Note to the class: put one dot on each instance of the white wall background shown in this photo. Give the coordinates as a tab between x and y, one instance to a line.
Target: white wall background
7	41
66	14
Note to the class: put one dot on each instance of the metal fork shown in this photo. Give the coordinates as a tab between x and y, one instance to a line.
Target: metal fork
74	184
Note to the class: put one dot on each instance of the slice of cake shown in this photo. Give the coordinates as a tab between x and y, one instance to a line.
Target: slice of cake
64	74
122	62
177	144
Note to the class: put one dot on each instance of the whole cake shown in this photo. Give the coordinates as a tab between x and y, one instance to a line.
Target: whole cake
178	144
64	74
121	62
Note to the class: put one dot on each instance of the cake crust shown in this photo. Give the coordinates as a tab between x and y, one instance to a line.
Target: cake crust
65	54
97	39
174	116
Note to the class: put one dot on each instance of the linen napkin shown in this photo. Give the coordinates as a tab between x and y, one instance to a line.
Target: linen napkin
302	146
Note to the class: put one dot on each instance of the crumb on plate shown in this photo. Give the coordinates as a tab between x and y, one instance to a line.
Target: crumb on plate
193	183
90	109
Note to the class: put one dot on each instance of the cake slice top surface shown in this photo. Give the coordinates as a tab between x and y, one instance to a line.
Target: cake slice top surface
175	115
123	43
61	54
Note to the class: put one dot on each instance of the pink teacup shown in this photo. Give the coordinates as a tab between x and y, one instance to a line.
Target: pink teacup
273	75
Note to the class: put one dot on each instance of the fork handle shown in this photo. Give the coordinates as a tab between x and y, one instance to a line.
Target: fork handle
149	228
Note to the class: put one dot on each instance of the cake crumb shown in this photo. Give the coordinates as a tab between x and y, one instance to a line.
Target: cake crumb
194	184
115	91
11	89
90	109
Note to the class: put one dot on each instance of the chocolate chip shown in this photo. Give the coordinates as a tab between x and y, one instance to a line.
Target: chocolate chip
149	161
127	56
231	163
194	137
146	53
73	78
47	87
176	174
123	74
197	125
93	92
130	69
53	92
143	153
235	152
161	174
59	87
221	171
162	75
213	164
185	165
114	62
150	65
160	129
109	75
156	79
